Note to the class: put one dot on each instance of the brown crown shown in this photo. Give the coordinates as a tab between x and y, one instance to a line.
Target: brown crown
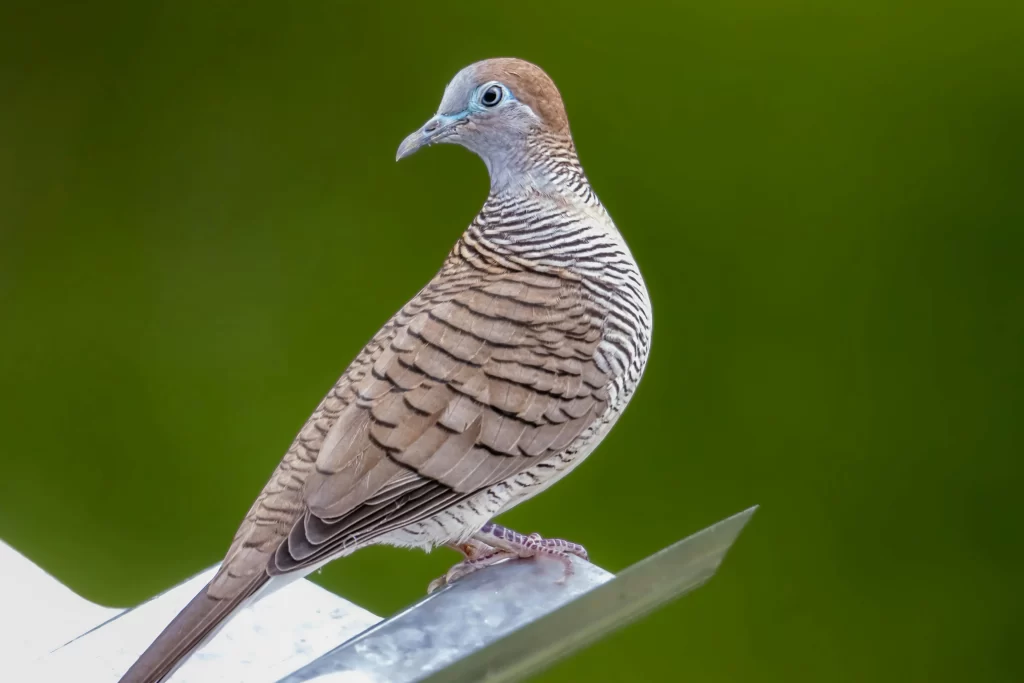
531	86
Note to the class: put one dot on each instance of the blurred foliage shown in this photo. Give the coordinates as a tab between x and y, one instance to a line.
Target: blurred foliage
201	222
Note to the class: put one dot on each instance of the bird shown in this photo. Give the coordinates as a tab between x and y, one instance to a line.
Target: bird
492	383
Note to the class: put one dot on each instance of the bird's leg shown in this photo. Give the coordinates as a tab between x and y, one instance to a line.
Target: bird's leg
521	545
495	543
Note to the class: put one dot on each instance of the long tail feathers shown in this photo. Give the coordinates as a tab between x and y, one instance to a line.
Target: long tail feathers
200	618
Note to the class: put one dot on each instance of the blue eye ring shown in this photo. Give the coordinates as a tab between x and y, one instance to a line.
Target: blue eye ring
492	95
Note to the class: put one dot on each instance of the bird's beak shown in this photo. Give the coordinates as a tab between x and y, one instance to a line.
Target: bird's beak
434	130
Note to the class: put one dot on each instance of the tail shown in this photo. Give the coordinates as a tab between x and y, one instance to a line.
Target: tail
193	625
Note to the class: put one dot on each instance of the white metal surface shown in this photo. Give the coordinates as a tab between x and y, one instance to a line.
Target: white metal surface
38	613
265	642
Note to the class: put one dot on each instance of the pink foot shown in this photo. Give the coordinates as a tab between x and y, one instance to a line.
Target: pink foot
495	543
521	545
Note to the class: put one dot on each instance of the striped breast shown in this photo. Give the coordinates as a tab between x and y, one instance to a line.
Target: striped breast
578	241
571	238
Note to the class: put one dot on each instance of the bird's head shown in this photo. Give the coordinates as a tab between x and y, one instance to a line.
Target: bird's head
494	108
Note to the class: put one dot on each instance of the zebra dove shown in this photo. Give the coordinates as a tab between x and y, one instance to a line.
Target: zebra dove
499	377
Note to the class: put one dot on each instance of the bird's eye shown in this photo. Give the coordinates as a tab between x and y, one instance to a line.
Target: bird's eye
491	96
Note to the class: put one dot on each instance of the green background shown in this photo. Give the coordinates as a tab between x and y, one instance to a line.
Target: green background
201	223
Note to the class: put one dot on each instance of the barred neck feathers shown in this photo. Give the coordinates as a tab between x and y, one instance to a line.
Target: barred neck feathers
542	214
545	233
546	164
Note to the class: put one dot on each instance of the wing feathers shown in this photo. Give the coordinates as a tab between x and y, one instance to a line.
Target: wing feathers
481	383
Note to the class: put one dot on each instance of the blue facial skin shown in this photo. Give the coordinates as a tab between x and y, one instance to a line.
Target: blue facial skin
476	103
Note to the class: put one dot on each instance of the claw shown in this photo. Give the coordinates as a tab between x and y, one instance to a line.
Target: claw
474	561
439	582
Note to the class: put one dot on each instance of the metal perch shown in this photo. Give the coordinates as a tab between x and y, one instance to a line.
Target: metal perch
502	623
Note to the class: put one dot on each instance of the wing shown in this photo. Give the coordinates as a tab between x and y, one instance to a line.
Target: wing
477	380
